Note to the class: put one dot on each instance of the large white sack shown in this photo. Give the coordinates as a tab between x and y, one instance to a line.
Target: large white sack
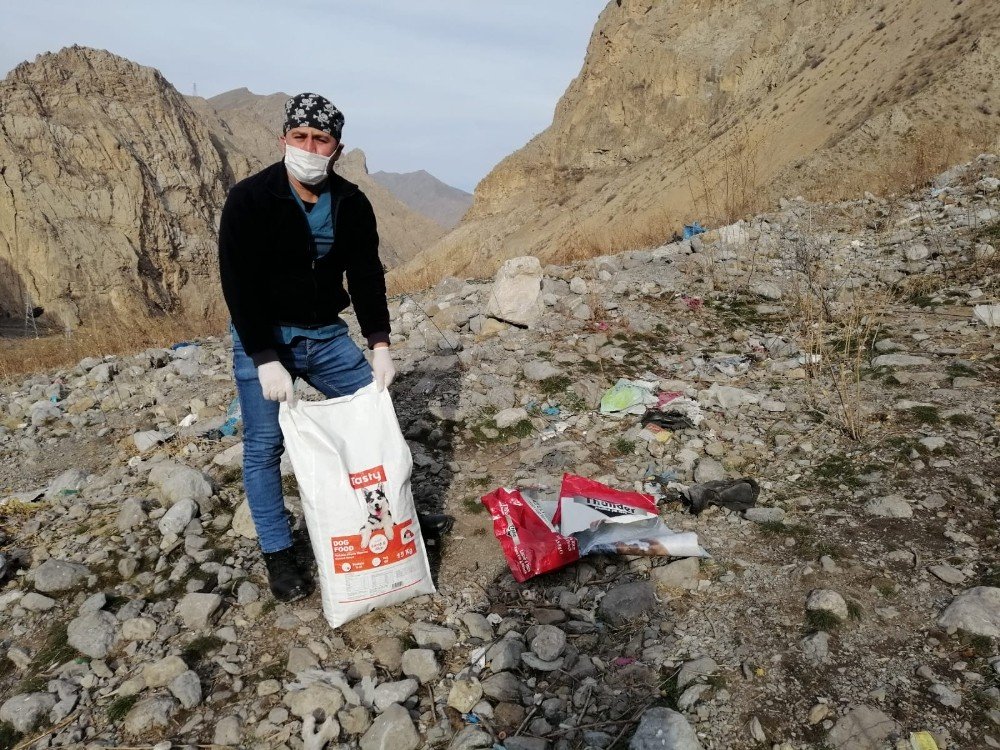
353	470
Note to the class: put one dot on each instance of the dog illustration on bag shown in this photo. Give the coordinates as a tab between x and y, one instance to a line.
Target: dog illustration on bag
379	515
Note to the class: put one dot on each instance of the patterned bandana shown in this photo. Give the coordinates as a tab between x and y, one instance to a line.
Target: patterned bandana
313	111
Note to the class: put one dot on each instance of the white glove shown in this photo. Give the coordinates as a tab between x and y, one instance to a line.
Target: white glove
276	382
382	367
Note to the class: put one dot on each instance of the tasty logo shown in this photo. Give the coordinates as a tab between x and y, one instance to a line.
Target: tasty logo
367	478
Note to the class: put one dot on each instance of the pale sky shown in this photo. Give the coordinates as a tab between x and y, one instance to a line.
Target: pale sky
450	86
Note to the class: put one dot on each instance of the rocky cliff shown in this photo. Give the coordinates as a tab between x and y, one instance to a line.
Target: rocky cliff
110	190
689	109
248	125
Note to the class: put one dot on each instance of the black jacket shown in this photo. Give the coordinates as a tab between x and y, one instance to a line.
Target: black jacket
269	272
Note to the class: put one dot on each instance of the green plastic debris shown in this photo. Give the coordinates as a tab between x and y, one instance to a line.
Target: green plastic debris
625	394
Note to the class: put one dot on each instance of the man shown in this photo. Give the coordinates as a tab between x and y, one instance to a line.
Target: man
289	236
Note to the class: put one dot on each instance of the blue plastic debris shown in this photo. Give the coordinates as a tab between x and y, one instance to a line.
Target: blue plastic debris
551	411
181	345
233	416
471	718
690	230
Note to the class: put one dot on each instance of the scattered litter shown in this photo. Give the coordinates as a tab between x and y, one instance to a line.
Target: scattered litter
988	314
690	230
623	661
664	398
626	395
189	420
693	303
729	365
551	411
667	420
589	518
181	345
735	494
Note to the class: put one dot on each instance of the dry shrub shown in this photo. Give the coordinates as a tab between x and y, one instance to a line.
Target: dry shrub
650	229
106	333
724	182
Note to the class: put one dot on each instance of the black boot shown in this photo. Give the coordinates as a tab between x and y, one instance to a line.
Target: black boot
285	576
433	526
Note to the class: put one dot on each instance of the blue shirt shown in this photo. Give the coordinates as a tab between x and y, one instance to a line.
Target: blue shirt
320	218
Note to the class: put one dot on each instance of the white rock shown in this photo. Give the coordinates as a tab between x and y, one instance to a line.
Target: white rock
827	600
516	295
976	611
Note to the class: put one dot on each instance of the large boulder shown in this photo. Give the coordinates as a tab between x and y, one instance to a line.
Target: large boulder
516	296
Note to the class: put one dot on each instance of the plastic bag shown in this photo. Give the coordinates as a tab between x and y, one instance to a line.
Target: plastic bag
608	521
353	469
529	540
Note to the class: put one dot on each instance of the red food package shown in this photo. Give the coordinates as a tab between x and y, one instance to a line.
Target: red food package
609	501
530	543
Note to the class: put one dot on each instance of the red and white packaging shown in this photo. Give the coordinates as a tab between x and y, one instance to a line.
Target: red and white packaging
530	542
353	470
585	504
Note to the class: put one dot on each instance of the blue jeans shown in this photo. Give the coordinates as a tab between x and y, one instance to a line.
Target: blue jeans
335	367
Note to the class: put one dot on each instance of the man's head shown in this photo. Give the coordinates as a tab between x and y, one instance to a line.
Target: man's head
313	111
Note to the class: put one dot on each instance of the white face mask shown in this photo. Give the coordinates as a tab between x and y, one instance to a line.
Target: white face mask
305	166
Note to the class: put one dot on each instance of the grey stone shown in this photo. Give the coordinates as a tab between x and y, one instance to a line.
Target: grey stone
421	664
522	742
177	517
389	653
93	603
69	483
549	642
316	696
516	295
354	720
709	470
138	629
228	731
26	711
862	728
37	602
186	687
242	524
827	600
58	575
502	686
177	482
93	633
947	573
692	670
764	515
437	637
247	592
540	664
471	738
892	506
945	695
301	659
479	627
392	730
465	694
510	417
196	610
131	515
149	715
389	693
148	439
505	654
628	601
691	696
766	289
975	611
816	647
663	729
900	360
679	574
539	370
163	671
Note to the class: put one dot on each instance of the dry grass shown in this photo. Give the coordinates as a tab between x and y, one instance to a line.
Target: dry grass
725	182
106	334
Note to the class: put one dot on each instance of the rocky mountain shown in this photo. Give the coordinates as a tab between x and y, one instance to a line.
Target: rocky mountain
110	192
249	124
426	194
689	110
855	606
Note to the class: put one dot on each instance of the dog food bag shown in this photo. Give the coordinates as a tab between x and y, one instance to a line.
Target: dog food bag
353	470
530	543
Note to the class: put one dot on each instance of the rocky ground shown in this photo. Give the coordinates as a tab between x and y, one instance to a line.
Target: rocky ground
834	355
